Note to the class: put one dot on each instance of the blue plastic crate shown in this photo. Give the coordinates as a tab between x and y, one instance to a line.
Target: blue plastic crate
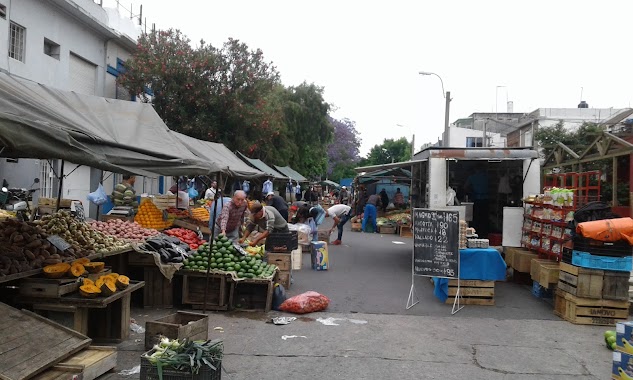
540	292
587	260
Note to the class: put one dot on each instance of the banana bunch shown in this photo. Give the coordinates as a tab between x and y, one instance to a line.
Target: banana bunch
255	250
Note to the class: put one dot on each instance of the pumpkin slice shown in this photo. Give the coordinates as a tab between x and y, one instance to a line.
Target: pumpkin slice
122	282
87	281
108	287
77	269
94	267
83	260
113	276
56	270
89	290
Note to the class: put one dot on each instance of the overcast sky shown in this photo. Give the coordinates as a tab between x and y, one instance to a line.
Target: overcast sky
367	54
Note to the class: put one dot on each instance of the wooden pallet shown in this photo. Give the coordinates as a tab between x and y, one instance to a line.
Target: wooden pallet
89	363
252	295
473	292
158	290
593	283
586	311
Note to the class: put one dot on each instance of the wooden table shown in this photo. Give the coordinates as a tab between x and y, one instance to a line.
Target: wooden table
104	319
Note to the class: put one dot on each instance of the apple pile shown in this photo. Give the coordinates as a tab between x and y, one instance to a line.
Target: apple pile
128	231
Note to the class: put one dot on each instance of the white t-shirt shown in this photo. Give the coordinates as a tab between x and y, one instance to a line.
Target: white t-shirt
210	193
338	210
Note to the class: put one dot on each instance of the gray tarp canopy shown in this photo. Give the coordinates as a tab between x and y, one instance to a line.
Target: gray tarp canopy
290	173
42	122
228	162
330	183
259	164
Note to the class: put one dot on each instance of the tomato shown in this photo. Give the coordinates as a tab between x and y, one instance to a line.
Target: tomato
193	246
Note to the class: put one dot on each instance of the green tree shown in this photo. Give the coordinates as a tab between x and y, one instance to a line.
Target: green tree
577	140
389	151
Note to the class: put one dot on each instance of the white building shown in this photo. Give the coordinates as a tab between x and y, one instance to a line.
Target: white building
73	45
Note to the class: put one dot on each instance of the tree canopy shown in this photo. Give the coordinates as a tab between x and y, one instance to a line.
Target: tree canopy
343	152
577	140
389	151
231	95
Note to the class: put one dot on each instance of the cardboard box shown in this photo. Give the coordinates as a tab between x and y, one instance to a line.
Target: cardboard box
621	362
624	336
319	256
282	260
297	258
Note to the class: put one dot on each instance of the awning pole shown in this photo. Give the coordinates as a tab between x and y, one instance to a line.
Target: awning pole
61	184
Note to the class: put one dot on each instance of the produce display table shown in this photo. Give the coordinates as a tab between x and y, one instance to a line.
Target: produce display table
485	264
104	319
191	226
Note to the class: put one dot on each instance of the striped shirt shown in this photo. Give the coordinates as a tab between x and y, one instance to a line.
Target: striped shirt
231	216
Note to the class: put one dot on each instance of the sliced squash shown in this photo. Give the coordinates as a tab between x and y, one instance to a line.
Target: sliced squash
87	281
83	260
89	290
94	267
56	270
108	287
76	270
113	276
122	282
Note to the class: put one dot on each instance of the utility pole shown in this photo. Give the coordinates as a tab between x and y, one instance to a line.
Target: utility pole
412	146
447	110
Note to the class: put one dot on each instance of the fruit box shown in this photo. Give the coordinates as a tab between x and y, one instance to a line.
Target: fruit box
624	336
621	363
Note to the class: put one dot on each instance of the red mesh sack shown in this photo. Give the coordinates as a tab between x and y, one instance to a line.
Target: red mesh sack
307	302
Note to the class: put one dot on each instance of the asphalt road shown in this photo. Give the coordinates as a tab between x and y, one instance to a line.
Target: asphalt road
371	273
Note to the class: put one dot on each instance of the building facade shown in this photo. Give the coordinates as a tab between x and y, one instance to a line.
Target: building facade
73	45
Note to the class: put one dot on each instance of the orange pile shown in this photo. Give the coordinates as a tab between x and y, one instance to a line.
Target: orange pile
149	216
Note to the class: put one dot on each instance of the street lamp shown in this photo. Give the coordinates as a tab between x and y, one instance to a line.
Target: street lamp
412	139
446	96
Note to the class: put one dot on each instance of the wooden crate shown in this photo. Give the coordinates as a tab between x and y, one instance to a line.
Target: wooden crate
218	292
586	311
282	260
91	362
405	231
180	325
140	259
252	295
283	278
158	291
473	292
510	252
48	287
357	227
69	316
615	285
522	261
63	373
545	272
580	282
106	217
112	323
387	230
52	202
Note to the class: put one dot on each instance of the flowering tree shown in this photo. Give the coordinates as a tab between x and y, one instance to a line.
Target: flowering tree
343	152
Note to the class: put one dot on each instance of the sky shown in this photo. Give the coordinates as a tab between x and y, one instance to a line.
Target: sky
367	55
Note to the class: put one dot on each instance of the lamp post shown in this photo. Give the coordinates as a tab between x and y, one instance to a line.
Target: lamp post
412	139
446	96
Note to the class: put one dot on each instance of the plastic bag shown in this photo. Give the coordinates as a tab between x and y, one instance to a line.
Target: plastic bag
99	196
192	192
307	302
279	296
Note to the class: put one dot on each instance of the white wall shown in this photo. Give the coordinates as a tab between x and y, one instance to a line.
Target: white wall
458	136
437	183
532	183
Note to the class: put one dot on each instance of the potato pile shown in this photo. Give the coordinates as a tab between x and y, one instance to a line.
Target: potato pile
79	233
129	231
24	247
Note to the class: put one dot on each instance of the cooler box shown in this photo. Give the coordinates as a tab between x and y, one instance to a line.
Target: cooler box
320	260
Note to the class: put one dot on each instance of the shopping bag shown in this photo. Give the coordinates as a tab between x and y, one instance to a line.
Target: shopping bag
99	196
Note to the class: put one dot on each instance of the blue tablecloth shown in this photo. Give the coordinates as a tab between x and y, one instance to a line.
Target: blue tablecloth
484	264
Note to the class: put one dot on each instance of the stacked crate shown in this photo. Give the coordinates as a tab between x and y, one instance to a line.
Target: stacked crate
544	274
279	248
593	285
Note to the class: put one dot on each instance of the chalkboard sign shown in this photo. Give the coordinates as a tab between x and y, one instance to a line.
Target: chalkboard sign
58	242
435	243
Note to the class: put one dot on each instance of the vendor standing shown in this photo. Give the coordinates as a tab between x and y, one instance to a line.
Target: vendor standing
278	203
477	187
211	191
266	220
232	216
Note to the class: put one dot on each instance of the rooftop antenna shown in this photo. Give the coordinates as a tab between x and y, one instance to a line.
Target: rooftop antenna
581	90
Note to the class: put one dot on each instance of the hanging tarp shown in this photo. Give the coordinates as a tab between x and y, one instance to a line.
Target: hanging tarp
260	165
42	122
398	175
228	162
290	173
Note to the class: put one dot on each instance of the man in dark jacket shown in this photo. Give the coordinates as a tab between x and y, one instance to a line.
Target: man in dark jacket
384	198
279	203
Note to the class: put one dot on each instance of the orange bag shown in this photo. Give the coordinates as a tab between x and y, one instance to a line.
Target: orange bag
610	230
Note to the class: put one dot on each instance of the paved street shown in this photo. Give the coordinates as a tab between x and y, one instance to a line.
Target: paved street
369	281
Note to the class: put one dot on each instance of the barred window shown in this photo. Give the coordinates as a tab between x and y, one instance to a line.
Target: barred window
17	42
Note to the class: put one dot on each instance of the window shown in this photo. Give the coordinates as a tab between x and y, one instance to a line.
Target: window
3	11
474	142
17	41
51	49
